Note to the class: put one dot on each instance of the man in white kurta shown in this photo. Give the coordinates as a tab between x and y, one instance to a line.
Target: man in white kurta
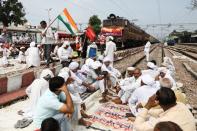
94	78
142	94
125	86
147	50
165	73
110	49
64	53
114	73
36	90
3	56
152	70
80	79
32	56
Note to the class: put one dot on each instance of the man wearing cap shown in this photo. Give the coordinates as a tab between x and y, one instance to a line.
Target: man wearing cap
125	87
147	50
152	70
80	79
21	56
94	76
142	94
110	49
3	55
32	56
65	54
114	73
66	73
164	73
36	90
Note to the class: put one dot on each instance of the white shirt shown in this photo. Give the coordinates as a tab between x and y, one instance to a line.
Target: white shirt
152	73
32	56
63	54
21	56
178	114
112	71
142	94
147	47
48	39
110	49
34	92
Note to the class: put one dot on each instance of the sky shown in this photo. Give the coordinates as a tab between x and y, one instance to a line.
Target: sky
146	12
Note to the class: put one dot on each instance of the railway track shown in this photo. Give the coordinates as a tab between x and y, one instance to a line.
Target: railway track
191	53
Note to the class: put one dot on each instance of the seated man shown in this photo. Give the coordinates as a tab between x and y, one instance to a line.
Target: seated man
50	124
56	102
78	102
79	78
152	70
173	111
125	87
65	54
141	94
167	126
114	73
163	73
165	82
36	90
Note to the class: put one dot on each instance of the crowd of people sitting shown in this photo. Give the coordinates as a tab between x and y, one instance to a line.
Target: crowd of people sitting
153	96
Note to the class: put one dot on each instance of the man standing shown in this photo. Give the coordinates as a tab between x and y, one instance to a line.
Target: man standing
147	50
47	40
110	49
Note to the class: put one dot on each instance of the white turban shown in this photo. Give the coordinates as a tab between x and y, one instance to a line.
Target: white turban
111	38
66	43
131	68
22	48
32	44
148	80
96	65
163	69
73	65
89	61
46	72
151	65
106	59
65	69
101	57
64	75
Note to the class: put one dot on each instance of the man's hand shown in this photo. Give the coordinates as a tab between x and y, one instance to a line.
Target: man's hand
152	102
99	78
64	88
157	78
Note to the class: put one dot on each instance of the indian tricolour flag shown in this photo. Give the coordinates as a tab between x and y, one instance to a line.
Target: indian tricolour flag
68	21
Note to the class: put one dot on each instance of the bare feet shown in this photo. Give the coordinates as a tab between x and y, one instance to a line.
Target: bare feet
131	119
84	115
117	101
84	122
104	99
83	106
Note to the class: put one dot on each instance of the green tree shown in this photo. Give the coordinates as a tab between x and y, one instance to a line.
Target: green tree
95	22
12	11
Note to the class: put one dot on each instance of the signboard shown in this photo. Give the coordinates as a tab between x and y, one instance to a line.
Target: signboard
109	31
